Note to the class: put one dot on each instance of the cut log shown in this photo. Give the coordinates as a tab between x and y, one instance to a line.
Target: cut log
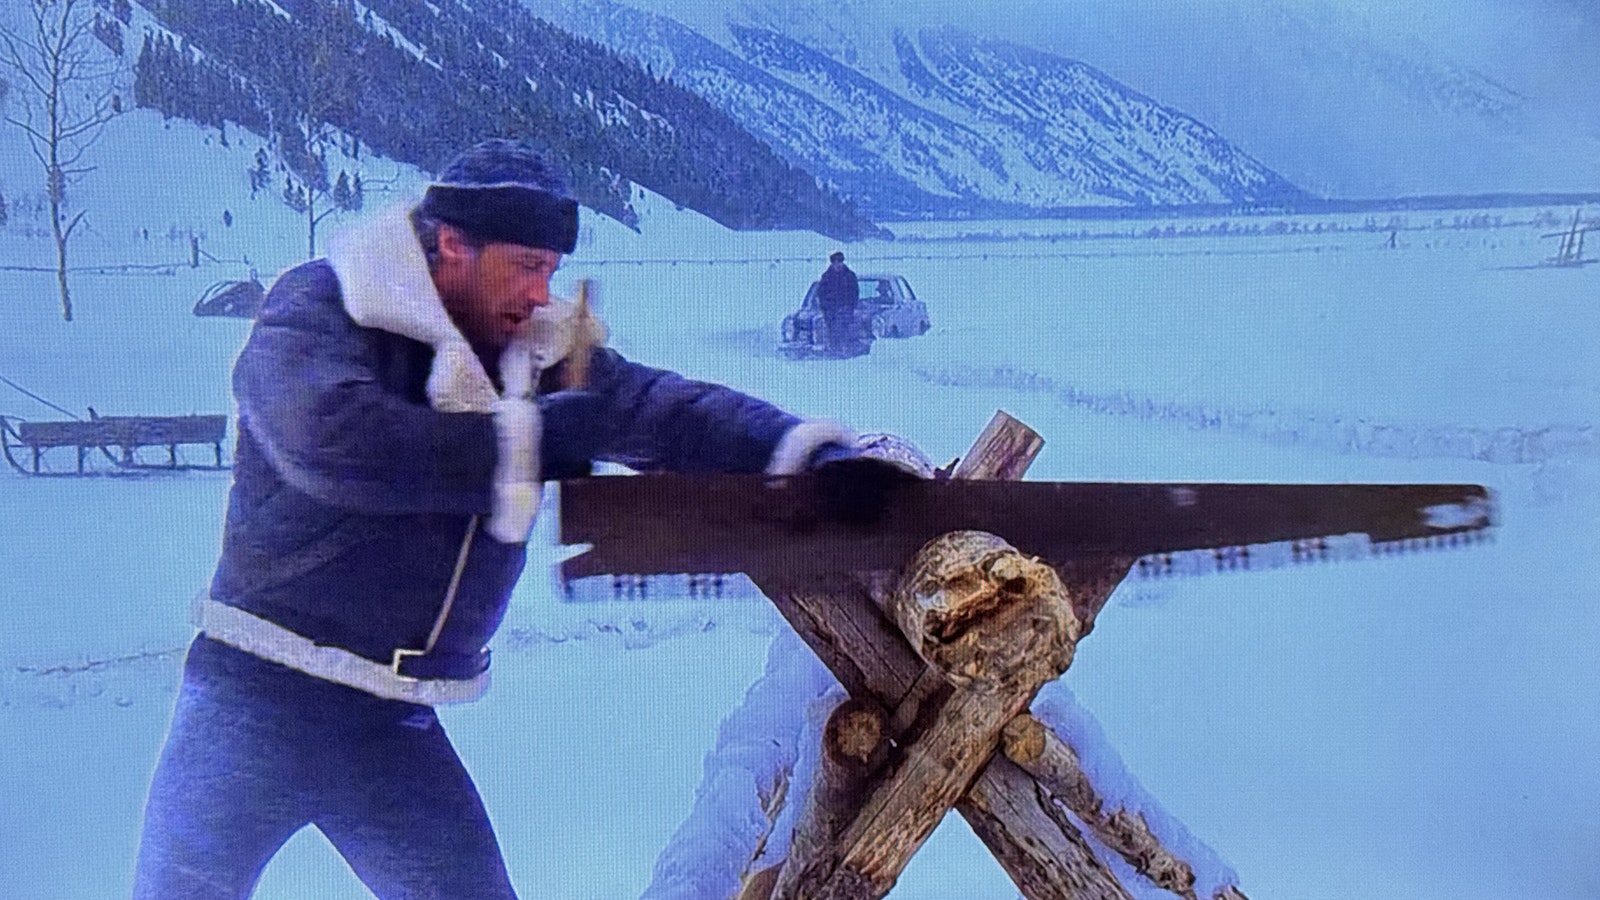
854	745
1037	846
846	627
1030	744
981	613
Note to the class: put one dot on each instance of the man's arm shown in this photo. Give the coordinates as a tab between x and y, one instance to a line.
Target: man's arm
658	420
310	396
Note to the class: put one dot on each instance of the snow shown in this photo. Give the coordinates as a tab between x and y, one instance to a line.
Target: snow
1418	725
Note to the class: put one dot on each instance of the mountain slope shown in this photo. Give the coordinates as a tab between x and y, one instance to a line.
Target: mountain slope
1344	98
957	126
1355	99
1060	117
419	82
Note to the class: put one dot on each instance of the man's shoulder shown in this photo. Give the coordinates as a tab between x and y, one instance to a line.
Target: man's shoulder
312	276
310	288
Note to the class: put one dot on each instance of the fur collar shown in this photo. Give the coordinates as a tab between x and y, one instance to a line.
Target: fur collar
383	277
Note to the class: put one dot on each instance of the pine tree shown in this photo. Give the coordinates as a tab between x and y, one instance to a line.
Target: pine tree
294	196
341	191
260	176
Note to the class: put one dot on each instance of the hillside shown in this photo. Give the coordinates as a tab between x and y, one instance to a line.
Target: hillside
936	122
416	83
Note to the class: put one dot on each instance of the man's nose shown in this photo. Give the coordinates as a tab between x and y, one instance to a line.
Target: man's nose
538	293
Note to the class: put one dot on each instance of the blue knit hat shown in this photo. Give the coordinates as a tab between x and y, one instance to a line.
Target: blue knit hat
504	190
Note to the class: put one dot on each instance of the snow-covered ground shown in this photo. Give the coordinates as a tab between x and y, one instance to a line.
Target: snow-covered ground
1420	726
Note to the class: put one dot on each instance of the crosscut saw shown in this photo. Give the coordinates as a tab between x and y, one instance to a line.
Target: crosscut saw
795	530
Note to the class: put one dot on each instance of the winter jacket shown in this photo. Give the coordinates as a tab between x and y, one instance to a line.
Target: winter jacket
838	289
355	488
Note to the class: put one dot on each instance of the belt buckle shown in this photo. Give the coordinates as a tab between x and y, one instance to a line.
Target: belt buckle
399	658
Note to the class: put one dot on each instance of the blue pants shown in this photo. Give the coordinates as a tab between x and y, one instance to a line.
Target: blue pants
846	336
258	751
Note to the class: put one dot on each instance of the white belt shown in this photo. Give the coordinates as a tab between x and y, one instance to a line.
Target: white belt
271	641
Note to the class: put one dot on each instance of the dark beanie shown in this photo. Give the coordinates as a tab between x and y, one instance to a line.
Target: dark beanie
503	191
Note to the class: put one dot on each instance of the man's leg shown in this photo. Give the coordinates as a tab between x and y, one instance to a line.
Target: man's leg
221	801
838	331
412	825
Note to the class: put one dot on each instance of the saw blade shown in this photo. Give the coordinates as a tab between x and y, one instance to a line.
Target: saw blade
789	528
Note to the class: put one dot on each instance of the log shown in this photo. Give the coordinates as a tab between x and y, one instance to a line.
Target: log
1038	846
844	627
854	745
759	885
932	776
1016	613
1043	851
980	612
1031	744
1002	452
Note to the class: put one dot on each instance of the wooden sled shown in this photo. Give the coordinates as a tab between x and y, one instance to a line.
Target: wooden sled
112	444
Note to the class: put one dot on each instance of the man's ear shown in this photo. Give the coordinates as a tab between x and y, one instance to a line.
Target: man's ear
453	245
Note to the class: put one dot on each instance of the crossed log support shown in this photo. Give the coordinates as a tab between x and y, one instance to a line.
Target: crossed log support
941	665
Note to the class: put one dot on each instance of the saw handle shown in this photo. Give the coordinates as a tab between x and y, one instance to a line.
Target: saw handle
855	488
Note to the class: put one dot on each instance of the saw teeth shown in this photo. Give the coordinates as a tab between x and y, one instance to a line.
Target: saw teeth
635	587
1255	557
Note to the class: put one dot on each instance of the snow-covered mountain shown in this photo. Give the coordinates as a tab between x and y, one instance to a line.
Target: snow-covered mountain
937	121
1350	98
1342	98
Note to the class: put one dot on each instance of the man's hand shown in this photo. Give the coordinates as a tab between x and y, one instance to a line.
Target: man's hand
573	433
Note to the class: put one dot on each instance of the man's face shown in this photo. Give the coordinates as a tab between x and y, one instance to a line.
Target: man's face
490	291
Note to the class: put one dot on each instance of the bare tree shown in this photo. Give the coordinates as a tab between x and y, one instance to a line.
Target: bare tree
322	92
65	98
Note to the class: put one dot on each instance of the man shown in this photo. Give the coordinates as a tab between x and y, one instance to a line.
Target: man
838	293
400	403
